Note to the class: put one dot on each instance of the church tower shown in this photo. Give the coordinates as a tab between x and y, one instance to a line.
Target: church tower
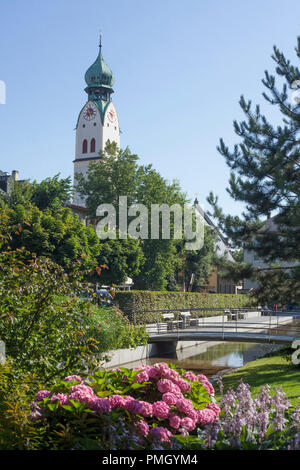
97	121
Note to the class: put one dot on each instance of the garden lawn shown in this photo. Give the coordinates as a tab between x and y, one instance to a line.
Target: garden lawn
275	371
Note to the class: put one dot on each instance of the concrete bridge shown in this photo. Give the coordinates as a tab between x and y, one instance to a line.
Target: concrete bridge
253	328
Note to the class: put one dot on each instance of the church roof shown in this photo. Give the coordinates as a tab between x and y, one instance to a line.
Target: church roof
99	74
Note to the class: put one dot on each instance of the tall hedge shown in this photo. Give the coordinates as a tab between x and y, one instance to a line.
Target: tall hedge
131	302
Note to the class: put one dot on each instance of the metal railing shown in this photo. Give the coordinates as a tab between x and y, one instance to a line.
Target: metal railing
138	316
233	321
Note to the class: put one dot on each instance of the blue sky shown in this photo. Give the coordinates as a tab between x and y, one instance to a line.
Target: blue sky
179	67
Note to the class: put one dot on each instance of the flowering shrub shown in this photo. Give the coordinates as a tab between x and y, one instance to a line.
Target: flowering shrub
147	406
245	422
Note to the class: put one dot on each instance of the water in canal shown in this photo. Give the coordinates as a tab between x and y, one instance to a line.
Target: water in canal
212	357
209	358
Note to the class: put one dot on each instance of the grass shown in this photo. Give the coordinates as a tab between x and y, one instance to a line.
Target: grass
274	370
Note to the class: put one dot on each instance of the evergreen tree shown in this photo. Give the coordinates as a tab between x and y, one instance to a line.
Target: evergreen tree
265	176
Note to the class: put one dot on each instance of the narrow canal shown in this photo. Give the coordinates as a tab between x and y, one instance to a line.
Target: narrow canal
211	358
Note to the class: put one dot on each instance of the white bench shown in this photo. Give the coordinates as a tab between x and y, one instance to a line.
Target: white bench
170	320
235	314
185	319
188	320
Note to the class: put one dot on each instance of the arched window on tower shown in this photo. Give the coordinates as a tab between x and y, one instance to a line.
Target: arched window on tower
84	146
93	145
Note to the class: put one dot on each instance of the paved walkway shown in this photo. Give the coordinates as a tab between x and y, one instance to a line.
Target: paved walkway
259	329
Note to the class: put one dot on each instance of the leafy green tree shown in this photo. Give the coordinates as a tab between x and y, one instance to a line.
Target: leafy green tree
119	174
123	259
20	193
57	235
41	319
162	256
115	176
265	176
36	219
51	193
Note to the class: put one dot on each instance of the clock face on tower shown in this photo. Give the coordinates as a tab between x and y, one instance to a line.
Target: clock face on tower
89	112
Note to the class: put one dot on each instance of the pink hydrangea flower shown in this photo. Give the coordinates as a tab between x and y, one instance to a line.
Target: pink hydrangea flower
174	421
117	401
183	385
145	409
202	377
193	415
190	376
142	377
176	391
163	367
128	398
188	424
206	384
83	388
82	393
132	406
160	409
42	394
169	398
61	397
215	408
142	428
206	416
154	373
165	385
101	405
139	407
70	378
171	374
143	367
162	434
184	405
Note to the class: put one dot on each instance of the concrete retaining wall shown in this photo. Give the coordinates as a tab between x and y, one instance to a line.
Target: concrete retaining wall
124	356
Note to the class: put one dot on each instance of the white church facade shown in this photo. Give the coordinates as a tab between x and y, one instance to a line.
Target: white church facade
97	122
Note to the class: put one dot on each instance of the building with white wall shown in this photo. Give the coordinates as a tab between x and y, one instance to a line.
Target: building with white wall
97	122
216	283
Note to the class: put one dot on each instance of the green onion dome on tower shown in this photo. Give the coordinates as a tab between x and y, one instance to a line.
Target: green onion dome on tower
99	79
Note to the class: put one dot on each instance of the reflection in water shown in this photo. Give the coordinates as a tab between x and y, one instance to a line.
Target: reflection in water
234	359
211	357
230	354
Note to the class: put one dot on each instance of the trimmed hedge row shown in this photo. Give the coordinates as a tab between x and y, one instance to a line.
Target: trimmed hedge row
131	302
